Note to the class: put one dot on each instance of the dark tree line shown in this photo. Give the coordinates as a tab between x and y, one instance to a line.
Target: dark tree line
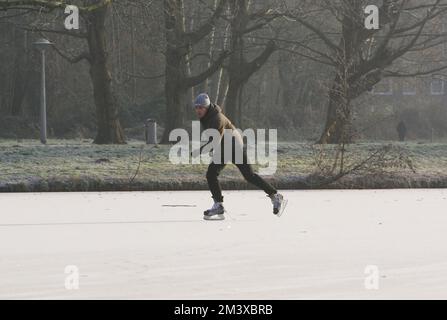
219	46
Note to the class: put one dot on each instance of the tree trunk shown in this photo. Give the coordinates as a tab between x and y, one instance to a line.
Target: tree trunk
175	94
178	47
232	100
176	66
239	70
222	85
338	120
236	65
109	127
20	80
210	52
133	56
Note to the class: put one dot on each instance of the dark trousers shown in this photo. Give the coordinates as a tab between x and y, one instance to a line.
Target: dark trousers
246	170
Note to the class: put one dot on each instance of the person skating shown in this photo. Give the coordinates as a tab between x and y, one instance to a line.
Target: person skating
211	117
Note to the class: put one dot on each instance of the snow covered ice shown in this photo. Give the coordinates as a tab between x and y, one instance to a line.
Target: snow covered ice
155	245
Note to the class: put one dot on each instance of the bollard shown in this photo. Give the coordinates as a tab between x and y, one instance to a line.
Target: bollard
150	127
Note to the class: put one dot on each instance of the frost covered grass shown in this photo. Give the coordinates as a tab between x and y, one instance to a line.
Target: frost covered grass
79	165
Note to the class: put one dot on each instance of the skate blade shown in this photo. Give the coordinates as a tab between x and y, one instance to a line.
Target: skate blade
283	207
216	217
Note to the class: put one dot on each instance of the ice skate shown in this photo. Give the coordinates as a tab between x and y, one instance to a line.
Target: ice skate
279	203
215	213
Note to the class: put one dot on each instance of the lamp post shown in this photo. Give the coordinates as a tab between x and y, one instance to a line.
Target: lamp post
41	45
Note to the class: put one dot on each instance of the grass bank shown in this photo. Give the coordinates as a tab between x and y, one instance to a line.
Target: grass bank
79	165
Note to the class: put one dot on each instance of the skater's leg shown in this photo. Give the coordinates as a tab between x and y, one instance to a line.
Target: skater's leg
247	171
213	183
277	199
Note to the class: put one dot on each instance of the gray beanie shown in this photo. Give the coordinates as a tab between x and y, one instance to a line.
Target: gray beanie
202	100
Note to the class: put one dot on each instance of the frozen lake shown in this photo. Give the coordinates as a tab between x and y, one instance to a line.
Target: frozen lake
155	245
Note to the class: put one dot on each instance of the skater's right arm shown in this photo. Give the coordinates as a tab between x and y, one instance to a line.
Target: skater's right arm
217	123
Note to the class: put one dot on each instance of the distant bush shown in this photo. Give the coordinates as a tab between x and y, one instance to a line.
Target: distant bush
18	128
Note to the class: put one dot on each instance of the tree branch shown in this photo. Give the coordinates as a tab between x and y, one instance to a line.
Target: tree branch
64	32
258	62
195	80
50	4
197	35
84	55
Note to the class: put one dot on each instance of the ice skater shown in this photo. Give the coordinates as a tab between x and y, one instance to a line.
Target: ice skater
211	117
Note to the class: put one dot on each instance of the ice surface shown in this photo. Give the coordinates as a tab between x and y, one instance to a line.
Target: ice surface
155	245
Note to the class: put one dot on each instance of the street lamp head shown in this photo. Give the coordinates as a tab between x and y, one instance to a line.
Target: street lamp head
42	44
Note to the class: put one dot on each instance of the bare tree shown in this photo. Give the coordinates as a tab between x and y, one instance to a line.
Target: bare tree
362	58
178	48
94	12
240	70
